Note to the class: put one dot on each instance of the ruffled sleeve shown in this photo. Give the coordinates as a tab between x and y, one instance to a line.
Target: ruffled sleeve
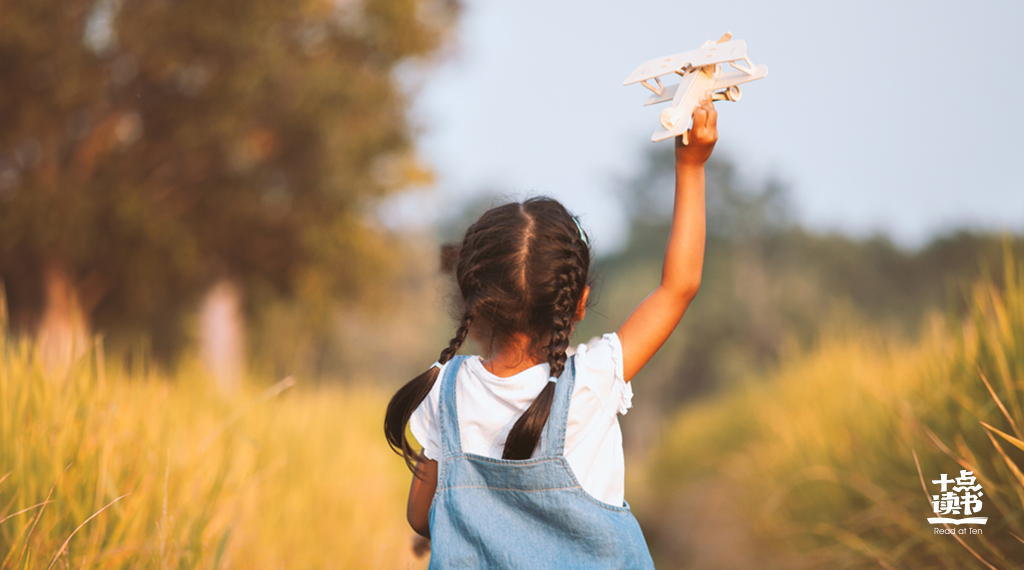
600	363
424	422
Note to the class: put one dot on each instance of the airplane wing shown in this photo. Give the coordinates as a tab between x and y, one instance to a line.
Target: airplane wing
724	80
662	134
707	55
736	77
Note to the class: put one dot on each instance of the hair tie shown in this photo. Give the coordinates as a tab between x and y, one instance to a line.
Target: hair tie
437	365
579	228
553	379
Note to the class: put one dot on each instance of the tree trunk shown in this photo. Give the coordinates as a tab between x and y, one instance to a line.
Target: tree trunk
63	331
222	335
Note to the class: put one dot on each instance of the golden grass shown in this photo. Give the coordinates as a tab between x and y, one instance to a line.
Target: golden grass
176	476
108	468
828	449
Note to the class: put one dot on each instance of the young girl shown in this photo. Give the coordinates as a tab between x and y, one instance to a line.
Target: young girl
522	465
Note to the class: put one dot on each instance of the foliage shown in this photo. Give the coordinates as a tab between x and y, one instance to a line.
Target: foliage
768	282
831	454
150	148
299	479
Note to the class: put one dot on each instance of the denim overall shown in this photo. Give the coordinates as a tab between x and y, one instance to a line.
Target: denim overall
531	513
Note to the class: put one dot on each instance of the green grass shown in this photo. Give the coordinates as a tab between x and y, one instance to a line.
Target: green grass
179	476
826	450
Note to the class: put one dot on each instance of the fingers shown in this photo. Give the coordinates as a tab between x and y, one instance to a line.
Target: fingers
705	120
712	113
700	115
702	135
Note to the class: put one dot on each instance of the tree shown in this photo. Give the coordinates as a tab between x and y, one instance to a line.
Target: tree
768	282
151	150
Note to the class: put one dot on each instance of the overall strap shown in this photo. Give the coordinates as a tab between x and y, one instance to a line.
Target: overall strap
451	441
554	429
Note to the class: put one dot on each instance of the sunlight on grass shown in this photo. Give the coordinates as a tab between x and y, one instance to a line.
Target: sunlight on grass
824	450
296	479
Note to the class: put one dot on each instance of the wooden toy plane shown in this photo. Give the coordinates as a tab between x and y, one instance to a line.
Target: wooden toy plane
701	71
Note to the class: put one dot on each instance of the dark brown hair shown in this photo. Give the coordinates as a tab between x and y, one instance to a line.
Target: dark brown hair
521	268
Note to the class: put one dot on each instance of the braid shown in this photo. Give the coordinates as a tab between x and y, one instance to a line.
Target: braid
525	434
468	271
409	397
460	336
570	287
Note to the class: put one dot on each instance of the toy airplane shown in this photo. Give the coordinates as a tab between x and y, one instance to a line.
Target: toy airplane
701	71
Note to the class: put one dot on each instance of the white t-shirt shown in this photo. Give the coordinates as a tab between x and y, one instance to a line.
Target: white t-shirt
488	407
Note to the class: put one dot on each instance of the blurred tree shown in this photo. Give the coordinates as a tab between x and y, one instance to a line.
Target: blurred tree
767	282
154	150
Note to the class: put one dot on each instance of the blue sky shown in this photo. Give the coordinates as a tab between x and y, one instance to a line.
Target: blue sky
895	117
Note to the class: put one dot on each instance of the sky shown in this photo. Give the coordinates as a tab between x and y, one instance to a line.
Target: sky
897	117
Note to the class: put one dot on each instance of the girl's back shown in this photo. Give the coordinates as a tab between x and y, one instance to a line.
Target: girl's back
496	513
489	406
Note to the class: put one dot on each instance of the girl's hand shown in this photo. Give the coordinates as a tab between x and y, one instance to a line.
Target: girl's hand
702	137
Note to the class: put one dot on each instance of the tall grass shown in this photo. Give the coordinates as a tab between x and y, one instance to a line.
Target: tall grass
835	453
176	476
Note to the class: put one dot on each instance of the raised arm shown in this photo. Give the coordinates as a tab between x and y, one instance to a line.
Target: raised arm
654	319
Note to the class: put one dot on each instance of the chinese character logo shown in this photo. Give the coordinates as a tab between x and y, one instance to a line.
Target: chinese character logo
964	498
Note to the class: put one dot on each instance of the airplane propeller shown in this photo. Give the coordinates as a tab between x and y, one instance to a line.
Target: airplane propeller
732	93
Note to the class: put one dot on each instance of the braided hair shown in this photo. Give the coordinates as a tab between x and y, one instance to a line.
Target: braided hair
521	268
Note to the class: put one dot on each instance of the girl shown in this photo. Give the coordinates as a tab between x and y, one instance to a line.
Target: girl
521	464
